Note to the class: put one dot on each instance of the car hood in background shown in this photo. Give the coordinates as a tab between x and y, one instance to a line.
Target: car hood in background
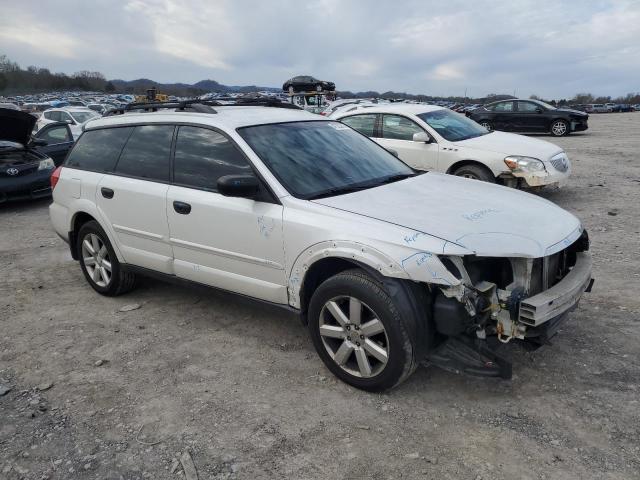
16	126
512	144
489	220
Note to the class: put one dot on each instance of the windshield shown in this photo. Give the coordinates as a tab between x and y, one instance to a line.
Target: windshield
82	117
318	158
452	126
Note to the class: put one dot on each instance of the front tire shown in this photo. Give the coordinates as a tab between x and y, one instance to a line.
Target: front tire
99	263
559	128
475	172
487	124
358	331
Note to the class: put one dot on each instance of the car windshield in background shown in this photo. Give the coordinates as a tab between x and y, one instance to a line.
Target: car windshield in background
452	126
320	159
82	117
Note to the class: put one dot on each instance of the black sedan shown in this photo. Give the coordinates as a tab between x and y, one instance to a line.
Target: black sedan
26	163
530	116
306	83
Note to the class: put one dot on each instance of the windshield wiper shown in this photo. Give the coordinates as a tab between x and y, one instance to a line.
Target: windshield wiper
363	186
396	178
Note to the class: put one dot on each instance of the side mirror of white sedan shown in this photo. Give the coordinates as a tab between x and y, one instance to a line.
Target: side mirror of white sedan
421	137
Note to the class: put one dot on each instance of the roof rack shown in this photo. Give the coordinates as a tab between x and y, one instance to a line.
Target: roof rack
202	106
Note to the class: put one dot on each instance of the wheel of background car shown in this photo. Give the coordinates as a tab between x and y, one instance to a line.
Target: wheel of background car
99	263
475	172
318	88
359	334
486	124
291	89
559	128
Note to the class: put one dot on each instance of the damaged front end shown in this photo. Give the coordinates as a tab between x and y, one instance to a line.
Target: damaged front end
502	299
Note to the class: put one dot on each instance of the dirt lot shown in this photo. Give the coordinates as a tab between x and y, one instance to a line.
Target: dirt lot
101	393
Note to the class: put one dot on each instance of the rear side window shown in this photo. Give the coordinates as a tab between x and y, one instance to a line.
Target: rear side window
98	150
365	124
146	154
202	156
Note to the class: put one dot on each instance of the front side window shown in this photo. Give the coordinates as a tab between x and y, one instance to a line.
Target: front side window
502	107
98	150
54	135
396	127
452	126
527	107
320	158
146	154
365	124
202	156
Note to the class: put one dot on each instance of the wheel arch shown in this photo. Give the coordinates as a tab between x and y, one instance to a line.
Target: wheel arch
78	219
462	163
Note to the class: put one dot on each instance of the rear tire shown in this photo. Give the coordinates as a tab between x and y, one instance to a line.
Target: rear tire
475	172
99	263
359	333
486	124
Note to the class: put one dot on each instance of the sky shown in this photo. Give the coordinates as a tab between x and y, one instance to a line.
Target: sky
550	48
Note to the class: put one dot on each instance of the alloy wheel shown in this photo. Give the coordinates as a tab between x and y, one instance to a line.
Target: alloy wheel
354	336
486	125
559	128
96	260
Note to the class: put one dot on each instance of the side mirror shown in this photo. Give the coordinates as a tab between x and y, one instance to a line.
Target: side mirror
244	186
70	122
38	142
421	137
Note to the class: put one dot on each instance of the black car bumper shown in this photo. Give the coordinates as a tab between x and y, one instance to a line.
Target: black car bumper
579	125
28	187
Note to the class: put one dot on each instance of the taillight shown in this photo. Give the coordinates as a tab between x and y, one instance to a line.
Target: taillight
55	176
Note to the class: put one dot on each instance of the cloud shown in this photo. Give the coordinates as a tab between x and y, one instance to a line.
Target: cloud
438	47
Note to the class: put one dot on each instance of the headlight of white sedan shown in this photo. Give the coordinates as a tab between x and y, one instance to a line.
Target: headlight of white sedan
46	164
518	163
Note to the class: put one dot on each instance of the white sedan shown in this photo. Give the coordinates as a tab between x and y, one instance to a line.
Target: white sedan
75	117
428	137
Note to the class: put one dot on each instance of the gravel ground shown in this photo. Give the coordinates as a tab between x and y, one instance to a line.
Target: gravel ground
100	393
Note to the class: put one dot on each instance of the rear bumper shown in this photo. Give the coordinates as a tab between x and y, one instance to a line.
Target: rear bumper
559	299
28	187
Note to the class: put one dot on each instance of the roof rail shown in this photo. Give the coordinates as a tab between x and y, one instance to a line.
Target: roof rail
201	106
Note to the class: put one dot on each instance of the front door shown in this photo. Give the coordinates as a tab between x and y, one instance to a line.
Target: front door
59	141
397	134
529	117
231	243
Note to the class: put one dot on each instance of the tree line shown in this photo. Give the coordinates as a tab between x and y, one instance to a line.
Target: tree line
16	80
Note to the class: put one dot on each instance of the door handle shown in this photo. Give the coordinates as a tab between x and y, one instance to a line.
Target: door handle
106	192
182	207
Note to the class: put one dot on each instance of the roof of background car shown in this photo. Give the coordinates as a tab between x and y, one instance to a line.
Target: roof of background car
409	108
69	109
230	117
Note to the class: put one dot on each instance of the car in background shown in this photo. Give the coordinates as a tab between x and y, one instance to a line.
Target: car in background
306	83
26	162
611	107
530	116
75	102
9	106
598	108
432	138
99	107
342	103
76	117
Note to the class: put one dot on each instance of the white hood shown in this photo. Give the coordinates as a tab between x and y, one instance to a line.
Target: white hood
512	144
489	220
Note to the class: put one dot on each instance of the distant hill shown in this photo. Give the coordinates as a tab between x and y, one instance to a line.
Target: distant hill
182	89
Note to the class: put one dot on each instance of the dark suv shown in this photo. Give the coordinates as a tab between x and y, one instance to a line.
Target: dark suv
530	116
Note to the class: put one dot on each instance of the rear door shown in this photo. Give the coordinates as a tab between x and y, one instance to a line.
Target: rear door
231	243
133	198
59	141
397	134
503	116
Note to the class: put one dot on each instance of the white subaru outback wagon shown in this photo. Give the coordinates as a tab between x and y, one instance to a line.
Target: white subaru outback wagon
388	266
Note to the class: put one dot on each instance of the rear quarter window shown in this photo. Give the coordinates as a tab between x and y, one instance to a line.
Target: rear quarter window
98	150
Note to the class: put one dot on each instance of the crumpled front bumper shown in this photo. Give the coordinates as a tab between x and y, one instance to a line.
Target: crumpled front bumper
560	298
